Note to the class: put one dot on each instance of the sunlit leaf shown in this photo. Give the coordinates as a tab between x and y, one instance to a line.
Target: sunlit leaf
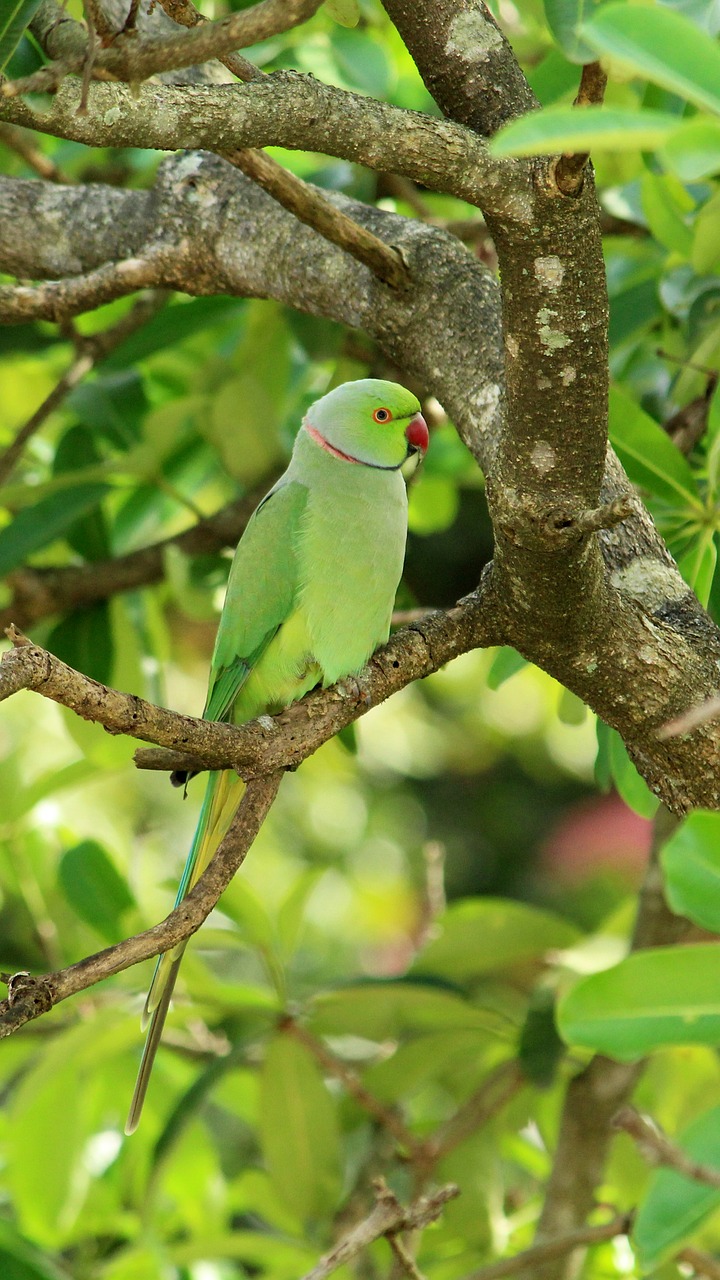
693	150
691	862
666	47
658	997
558	129
346	12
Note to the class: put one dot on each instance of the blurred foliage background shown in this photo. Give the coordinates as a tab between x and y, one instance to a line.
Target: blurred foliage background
426	883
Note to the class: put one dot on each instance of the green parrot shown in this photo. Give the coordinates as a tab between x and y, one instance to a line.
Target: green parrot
309	598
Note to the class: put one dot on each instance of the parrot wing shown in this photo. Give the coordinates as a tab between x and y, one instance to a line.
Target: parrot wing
261	590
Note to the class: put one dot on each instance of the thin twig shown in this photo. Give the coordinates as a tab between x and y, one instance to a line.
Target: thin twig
569	170
91	352
404	1258
549	1250
29	997
495	1092
316	211
23	143
131	59
703	1264
657	1149
388	1217
690	719
59	299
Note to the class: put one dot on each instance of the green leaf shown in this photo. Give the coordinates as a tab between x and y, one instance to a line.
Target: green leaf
432	504
674	1206
298	1128
17	16
665	209
382	1010
691	862
540	1048
557	129
693	150
564	18
43	1147
84	640
94	888
506	663
21	1260
632	788
665	47
481	935
346	12
362	62
647	453
655	998
706	244
35	527
697	565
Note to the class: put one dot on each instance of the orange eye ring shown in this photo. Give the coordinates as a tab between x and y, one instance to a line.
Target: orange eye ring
382	415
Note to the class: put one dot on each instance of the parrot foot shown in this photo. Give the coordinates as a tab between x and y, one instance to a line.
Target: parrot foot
355	689
268	724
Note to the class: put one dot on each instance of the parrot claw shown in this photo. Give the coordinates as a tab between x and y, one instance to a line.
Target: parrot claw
355	689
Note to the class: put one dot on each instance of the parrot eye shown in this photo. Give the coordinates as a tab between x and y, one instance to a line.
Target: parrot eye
382	415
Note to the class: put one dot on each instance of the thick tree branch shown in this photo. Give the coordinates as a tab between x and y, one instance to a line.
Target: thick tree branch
624	632
270	743
290	110
132	60
30	997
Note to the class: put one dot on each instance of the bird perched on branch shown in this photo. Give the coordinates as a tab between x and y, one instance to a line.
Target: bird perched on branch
310	597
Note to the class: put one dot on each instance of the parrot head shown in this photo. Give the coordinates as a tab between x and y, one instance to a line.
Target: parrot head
373	422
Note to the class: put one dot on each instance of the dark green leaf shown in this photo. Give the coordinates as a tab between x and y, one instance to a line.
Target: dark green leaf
564	18
674	1206
84	640
36	527
650	457
88	535
541	1048
94	888
16	17
505	664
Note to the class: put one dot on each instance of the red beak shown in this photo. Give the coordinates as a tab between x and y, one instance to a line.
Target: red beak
416	434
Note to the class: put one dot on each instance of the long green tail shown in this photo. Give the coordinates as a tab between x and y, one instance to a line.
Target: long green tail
210	829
